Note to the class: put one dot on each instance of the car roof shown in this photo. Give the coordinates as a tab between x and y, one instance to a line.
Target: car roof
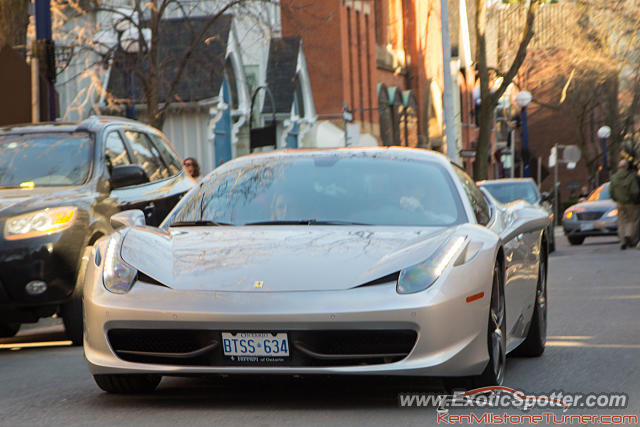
395	152
505	181
92	124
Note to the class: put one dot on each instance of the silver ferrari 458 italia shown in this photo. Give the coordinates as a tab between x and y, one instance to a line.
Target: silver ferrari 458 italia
372	261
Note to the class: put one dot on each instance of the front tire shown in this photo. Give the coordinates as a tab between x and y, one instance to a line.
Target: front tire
533	345
493	374
496	334
72	310
575	240
127	383
8	330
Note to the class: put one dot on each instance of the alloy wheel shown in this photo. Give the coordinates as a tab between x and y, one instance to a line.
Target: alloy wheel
497	338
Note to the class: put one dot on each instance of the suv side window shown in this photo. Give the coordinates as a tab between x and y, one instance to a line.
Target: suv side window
146	155
169	156
115	152
475	196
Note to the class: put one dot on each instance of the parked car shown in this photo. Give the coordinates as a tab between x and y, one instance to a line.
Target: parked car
596	216
507	190
59	184
320	262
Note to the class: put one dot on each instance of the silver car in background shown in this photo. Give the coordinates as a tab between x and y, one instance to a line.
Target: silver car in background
507	190
596	216
376	261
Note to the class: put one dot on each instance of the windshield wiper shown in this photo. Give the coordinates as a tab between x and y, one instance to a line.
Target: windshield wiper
197	223
306	222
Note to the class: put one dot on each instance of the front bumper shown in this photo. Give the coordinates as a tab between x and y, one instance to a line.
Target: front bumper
583	228
450	334
52	259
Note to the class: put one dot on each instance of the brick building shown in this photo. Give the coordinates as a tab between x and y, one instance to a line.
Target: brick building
553	116
383	59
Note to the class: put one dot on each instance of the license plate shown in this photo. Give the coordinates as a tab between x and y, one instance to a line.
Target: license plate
255	344
586	227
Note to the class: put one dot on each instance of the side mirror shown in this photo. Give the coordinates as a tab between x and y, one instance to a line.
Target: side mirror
126	175
546	196
127	218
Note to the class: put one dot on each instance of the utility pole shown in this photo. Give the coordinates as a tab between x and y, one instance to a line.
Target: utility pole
555	185
450	132
513	151
347	117
35	90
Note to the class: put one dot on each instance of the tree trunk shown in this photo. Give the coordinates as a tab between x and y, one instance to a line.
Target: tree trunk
481	169
488	98
156	117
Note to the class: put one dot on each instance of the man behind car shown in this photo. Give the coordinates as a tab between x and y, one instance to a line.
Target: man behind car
625	191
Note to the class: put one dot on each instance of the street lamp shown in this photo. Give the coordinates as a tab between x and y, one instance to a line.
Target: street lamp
523	99
604	133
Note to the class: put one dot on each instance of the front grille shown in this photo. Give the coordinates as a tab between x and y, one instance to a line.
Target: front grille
173	346
589	216
307	348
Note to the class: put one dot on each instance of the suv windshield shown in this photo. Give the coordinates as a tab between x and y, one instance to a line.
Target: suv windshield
324	189
507	192
44	159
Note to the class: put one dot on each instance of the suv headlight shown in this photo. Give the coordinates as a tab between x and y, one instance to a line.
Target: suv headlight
421	276
117	275
39	223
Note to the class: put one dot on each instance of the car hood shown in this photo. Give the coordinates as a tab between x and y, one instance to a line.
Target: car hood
599	205
277	258
16	201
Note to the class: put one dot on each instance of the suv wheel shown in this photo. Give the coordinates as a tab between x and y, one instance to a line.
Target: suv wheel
7	330
575	240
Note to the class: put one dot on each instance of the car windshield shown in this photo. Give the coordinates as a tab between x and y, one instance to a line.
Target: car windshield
324	189
507	192
44	159
600	193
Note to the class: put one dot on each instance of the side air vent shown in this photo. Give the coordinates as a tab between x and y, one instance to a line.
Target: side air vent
148	279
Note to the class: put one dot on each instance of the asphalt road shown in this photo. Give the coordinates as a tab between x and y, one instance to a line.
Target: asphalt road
593	346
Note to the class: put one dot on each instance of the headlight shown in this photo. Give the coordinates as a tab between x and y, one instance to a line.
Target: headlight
420	276
568	214
613	213
39	223
117	275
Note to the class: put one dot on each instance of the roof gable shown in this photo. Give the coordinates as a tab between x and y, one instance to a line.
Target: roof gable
281	73
203	74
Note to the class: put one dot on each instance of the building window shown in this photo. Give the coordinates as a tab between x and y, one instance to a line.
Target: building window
380	24
350	47
395	25
299	97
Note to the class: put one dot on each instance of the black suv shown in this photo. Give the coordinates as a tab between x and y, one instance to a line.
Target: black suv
59	185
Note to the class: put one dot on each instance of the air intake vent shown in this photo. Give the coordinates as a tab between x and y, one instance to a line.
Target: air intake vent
393	277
